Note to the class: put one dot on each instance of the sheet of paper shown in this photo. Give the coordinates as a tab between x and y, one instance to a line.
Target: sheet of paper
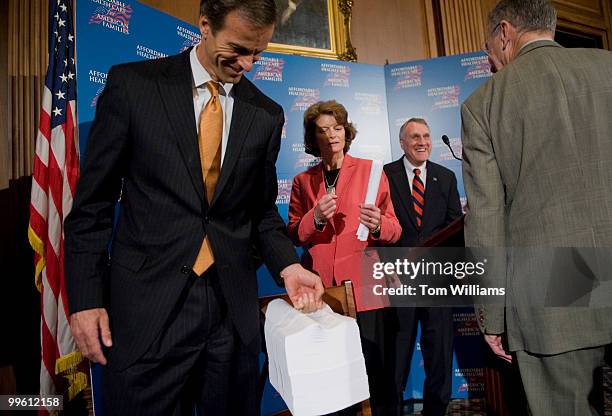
375	174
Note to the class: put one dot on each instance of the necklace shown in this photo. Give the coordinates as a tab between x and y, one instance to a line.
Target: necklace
331	188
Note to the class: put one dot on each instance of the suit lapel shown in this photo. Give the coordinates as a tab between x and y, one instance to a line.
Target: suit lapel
431	189
317	182
346	172
242	117
175	87
399	180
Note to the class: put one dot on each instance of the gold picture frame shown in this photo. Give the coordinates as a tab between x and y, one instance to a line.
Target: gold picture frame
306	38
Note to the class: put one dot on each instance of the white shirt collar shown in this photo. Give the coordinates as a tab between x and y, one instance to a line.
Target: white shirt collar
201	76
410	167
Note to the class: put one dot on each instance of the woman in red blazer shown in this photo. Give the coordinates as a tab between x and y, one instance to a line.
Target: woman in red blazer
325	211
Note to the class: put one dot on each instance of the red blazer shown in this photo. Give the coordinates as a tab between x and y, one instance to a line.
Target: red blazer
335	251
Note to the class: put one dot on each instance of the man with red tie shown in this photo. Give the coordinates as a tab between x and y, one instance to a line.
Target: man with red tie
425	199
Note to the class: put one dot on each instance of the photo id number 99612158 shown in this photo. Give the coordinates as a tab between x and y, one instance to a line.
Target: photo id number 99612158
31	402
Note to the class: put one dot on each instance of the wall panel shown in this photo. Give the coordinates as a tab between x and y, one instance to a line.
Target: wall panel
4	111
393	30
402	30
463	25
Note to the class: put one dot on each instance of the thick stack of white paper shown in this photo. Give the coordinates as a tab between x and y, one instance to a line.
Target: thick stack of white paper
315	359
371	193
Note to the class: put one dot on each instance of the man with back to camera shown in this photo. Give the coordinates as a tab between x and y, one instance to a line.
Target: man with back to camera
195	144
425	199
537	169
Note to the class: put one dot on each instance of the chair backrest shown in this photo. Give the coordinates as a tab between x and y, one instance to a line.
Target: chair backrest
340	299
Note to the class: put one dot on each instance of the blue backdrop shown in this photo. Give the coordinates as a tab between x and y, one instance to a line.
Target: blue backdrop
379	99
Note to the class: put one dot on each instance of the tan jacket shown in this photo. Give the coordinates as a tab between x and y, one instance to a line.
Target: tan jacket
537	169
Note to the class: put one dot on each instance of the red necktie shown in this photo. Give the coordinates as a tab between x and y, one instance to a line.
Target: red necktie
418	196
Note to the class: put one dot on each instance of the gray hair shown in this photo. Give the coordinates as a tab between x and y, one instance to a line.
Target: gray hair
412	120
525	15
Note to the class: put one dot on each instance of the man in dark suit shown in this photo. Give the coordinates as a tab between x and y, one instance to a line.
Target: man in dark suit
425	199
188	145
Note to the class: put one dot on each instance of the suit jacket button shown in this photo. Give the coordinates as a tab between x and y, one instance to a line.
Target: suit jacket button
185	269
206	219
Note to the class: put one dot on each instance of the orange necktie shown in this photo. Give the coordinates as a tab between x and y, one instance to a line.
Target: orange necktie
209	141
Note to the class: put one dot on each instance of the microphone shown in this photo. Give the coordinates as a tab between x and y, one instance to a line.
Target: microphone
446	141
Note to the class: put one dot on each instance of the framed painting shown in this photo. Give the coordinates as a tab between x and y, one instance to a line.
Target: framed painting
318	28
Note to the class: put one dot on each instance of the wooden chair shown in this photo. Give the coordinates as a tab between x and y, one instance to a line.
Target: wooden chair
341	300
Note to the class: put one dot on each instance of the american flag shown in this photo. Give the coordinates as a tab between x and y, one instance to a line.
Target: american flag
56	169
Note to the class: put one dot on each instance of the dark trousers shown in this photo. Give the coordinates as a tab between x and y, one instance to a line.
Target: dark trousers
565	384
437	349
375	344
195	362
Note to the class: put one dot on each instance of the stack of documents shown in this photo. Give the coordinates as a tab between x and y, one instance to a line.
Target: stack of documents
315	360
